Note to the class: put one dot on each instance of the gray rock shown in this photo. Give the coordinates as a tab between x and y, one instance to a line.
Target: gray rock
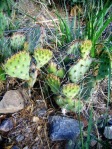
42	112
26	147
6	125
19	138
11	102
63	128
15	147
108	132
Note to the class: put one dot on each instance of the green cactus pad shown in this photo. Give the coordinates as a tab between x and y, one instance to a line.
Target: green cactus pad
79	106
3	23
52	68
2	74
18	65
60	73
85	47
77	71
104	66
69	104
17	41
70	90
54	83
42	56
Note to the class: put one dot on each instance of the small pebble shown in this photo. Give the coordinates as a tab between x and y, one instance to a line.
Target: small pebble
6	125
15	147
19	138
26	147
35	146
35	119
42	112
108	132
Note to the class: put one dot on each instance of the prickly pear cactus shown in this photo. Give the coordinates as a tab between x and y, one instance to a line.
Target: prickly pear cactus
53	82
60	73
85	48
42	57
69	104
79	106
17	41
104	65
52	68
77	71
3	23
18	65
70	90
2	74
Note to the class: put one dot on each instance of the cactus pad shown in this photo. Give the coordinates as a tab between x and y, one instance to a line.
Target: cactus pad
52	68
104	65
42	56
18	65
77	71
17	41
69	104
70	90
85	47
3	23
54	83
78	106
60	73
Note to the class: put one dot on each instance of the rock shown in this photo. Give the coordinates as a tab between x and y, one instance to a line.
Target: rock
42	112
11	102
35	146
6	125
19	138
35	119
108	132
104	125
63	128
26	147
15	147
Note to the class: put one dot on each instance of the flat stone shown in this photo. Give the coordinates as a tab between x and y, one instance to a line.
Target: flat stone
12	101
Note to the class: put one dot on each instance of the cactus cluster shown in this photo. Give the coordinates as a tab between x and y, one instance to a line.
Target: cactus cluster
19	64
66	87
67	96
67	100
